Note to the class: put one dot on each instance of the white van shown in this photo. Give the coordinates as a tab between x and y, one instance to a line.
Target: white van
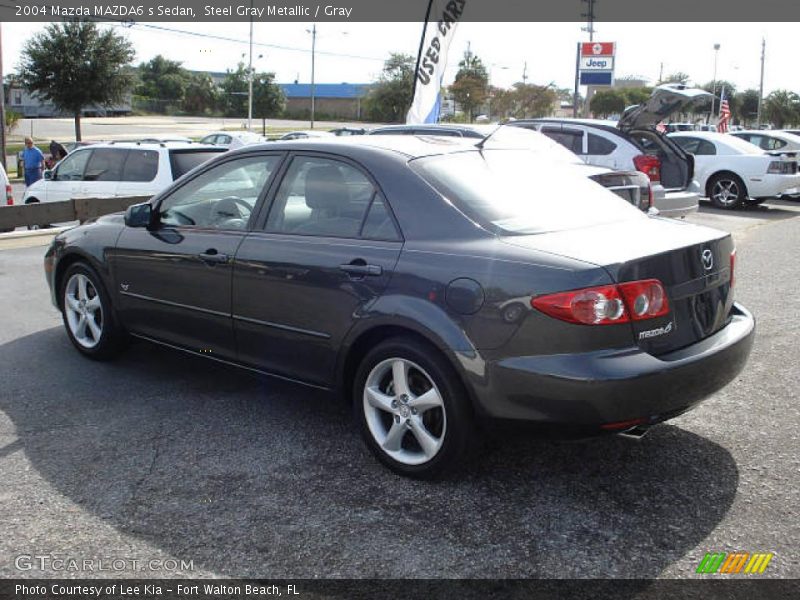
118	169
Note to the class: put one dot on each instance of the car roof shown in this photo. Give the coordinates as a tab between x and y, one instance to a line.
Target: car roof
411	146
151	146
708	135
777	133
731	142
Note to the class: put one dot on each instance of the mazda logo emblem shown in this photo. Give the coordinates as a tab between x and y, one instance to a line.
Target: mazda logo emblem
707	257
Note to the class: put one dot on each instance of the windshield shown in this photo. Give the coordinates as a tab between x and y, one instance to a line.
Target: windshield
521	192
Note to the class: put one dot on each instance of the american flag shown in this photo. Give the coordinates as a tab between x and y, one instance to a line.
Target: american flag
724	113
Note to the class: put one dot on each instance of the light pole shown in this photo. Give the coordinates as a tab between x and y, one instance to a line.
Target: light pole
313	32
250	75
714	84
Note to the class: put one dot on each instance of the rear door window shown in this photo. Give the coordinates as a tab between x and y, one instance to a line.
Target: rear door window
322	197
571	139
105	165
142	165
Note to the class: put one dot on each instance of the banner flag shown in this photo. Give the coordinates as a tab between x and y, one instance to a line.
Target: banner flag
440	28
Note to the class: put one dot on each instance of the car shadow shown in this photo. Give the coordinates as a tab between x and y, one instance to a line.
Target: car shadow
249	477
771	210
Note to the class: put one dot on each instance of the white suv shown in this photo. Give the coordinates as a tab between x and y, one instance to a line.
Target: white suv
118	169
633	143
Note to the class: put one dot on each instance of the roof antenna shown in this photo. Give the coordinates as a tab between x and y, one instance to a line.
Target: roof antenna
480	144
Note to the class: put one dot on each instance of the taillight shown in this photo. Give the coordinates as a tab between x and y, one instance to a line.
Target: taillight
649	165
9	195
608	304
779	167
733	264
645	299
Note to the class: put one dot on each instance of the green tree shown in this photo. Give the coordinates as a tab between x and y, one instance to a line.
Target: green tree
636	95
12	118
389	99
703	107
524	100
748	106
163	80
201	95
782	108
234	91
471	85
608	102
533	100
677	77
268	98
75	65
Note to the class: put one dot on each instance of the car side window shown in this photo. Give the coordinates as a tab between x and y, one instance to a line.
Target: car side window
600	146
772	143
209	139
223	139
705	148
105	165
222	197
73	166
572	140
321	196
141	165
688	144
379	224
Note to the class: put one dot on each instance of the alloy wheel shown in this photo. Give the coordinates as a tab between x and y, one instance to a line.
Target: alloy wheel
404	411
725	192
84	310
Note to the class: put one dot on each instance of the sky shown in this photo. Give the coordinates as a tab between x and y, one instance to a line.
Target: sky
548	49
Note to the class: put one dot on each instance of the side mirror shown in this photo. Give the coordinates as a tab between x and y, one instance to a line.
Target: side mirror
139	215
48	174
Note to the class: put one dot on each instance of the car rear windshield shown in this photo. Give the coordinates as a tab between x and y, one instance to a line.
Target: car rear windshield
517	192
184	161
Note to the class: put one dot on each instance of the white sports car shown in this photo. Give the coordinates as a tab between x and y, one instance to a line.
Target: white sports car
732	172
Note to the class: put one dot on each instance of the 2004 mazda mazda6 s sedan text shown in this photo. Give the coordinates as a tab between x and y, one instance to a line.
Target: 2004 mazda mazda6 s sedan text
438	285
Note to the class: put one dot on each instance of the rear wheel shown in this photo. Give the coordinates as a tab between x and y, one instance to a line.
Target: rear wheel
412	409
726	190
87	313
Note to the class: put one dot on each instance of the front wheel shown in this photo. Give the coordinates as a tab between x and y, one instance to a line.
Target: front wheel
412	409
87	313
726	190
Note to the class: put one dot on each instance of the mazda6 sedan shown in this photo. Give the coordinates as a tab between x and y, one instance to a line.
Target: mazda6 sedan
438	286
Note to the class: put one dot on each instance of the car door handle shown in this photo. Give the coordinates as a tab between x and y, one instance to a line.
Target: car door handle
213	257
359	269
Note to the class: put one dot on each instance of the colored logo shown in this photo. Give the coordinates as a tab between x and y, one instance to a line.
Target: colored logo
737	562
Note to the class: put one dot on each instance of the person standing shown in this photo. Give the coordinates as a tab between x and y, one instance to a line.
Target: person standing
33	159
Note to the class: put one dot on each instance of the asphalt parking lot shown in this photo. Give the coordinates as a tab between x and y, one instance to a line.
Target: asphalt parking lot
162	456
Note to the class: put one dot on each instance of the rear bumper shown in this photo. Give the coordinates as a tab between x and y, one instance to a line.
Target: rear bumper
770	186
678	203
597	388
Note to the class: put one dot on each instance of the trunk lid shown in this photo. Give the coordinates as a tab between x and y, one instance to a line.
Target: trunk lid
663	102
692	262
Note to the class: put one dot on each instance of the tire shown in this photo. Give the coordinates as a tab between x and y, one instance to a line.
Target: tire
726	190
88	315
34	227
413	437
